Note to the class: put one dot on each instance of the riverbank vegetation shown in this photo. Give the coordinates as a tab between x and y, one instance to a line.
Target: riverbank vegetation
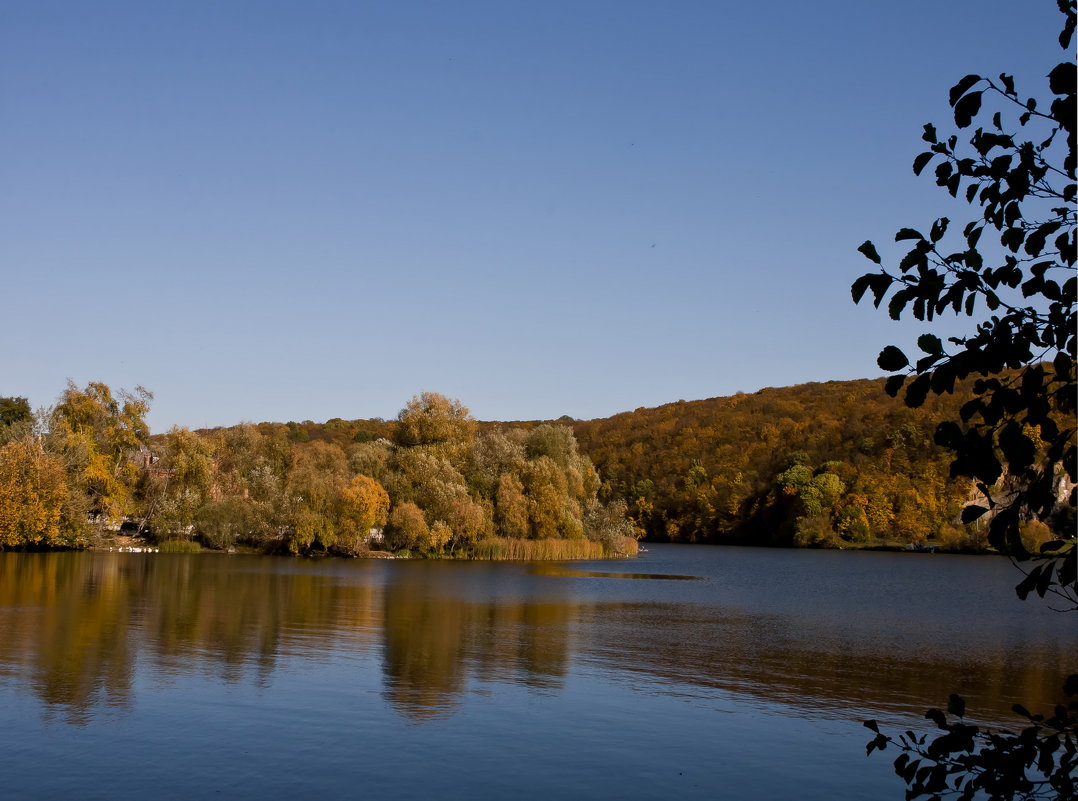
836	464
430	483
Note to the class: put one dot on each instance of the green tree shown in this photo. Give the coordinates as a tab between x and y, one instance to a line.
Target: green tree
1016	437
14	410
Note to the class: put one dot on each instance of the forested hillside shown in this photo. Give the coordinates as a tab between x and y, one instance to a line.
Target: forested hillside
814	464
836	464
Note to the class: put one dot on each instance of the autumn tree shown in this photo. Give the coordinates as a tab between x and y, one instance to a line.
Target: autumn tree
407	528
32	494
363	505
96	433
318	473
511	507
494	454
180	484
430	480
435	420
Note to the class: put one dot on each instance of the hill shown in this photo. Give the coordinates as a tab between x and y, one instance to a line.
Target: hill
821	464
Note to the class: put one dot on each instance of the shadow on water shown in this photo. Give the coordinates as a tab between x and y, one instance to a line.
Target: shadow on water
555	569
78	627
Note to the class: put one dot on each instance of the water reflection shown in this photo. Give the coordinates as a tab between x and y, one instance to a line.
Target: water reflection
76	630
434	641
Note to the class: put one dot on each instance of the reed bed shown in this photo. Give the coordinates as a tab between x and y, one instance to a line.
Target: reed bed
179	546
514	550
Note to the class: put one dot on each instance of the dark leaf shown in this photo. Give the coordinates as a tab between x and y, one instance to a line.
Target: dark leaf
967	109
917	391
1061	80
1018	449
956	705
899	301
937	717
971	513
921	162
891	359
869	251
859	287
930	343
894	384
962	87
948	435
1008	83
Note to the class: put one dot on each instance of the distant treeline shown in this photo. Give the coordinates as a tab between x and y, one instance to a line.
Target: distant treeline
431	482
834	464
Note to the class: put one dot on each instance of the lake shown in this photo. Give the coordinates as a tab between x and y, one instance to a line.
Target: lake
691	672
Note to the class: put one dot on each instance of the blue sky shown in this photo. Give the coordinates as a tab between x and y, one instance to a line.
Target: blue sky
305	210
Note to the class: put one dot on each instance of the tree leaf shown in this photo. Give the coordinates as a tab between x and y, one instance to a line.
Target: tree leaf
961	88
948	434
971	513
937	717
1061	80
917	391
967	109
857	290
930	343
868	250
921	162
891	359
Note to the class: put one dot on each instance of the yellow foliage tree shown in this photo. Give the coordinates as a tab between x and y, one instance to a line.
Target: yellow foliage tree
32	493
437	421
96	433
364	504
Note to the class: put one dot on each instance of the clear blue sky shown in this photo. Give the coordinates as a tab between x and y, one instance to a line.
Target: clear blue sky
310	209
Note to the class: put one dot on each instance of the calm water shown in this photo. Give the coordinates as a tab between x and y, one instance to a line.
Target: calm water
691	672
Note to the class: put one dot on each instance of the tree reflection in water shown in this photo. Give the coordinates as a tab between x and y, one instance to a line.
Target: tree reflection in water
77	626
